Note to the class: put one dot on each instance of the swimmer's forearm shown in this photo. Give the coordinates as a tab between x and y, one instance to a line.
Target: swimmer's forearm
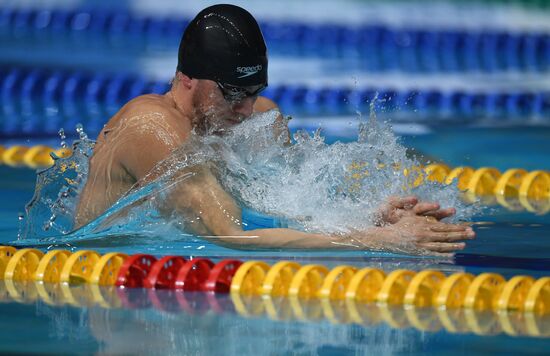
294	239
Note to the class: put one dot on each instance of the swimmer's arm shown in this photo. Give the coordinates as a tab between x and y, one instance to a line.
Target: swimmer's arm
414	234
220	217
290	239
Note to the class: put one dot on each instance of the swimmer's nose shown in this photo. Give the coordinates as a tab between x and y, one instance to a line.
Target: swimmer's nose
245	107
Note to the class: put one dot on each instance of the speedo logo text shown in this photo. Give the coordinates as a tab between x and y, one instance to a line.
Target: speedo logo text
248	71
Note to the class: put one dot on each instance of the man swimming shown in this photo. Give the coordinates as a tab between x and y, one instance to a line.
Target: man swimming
222	68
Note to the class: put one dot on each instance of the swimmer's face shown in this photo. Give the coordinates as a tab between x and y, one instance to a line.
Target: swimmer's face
218	113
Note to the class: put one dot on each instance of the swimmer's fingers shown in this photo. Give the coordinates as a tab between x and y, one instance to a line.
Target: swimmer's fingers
442	227
450	236
407	202
441	213
442	247
424	208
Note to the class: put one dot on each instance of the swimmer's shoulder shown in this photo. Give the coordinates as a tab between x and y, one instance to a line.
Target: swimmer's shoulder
263	104
150	128
151	104
154	107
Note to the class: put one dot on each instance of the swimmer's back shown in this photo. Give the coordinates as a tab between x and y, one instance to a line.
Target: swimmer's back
144	132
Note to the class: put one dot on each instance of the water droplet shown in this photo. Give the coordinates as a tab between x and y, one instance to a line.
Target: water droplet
61	133
80	130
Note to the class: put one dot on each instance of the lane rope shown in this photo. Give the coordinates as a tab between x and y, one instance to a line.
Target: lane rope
23	108
377	47
427	288
514	189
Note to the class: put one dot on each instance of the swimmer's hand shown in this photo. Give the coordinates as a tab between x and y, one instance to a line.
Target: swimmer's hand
425	235
398	207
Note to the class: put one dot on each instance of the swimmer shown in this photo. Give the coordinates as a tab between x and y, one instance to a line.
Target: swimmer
222	69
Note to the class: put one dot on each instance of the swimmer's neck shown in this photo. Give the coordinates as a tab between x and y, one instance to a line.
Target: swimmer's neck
180	97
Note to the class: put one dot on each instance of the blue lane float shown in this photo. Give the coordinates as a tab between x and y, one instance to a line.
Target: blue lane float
375	47
38	102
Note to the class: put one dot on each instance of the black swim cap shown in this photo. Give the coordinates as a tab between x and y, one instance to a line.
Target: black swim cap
224	43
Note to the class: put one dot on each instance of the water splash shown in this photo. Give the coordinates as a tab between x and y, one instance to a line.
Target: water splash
324	188
311	185
51	210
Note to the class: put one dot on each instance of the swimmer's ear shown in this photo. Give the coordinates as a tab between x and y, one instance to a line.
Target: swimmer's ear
184	79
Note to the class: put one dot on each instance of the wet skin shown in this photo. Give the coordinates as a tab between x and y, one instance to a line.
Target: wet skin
149	128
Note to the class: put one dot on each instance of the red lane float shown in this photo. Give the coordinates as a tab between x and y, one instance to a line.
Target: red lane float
193	275
134	270
219	280
163	272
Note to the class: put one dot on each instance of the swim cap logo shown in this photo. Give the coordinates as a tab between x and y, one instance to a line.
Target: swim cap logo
248	71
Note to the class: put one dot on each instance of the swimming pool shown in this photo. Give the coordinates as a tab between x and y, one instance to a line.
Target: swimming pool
87	319
167	324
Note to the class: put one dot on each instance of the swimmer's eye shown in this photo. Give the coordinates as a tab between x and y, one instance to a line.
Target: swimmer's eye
234	94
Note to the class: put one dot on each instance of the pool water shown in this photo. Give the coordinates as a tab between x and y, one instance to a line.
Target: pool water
442	68
200	330
163	322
